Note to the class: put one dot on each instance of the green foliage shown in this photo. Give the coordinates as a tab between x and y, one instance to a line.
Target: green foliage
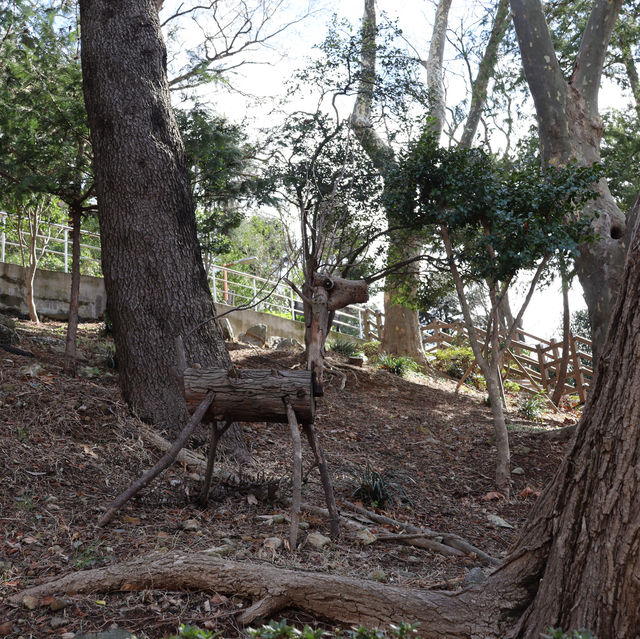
621	154
283	630
581	323
511	387
454	361
373	487
532	407
371	349
261	237
502	217
397	364
193	632
218	158
44	146
345	347
557	633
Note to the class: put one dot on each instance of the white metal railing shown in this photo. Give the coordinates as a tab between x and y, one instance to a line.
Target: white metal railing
56	240
228	286
237	288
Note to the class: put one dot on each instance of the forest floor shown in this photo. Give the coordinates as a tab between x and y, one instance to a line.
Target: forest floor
68	446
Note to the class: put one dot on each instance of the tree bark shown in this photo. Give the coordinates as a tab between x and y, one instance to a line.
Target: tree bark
561	376
155	281
446	615
574	566
252	395
485	73
582	541
401	334
570	129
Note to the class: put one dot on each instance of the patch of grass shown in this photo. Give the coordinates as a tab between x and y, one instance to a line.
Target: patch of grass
371	349
397	364
454	361
89	556
532	407
345	347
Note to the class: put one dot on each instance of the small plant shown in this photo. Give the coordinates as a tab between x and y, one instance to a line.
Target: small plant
345	347
88	556
511	387
371	349
532	407
454	361
373	487
193	632
557	633
282	630
397	364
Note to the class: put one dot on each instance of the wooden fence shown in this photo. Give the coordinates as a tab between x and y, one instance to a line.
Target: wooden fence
531	361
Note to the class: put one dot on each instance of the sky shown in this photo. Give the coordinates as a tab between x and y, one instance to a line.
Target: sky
258	85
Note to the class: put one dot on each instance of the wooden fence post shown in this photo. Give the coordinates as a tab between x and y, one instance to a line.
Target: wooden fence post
577	370
543	368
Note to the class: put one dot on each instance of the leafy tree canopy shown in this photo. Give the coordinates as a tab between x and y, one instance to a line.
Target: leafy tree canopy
506	216
44	144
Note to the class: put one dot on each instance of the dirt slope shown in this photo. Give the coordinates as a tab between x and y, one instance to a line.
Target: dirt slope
69	446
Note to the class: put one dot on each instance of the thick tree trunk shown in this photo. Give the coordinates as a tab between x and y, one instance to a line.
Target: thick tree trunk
72	326
582	541
570	129
401	333
156	284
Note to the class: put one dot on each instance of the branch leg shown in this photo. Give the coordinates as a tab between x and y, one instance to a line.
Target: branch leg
296	497
318	453
163	463
217	432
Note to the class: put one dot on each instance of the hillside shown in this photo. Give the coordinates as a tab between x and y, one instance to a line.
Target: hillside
69	446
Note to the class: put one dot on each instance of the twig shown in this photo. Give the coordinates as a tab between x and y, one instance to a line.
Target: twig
163	463
449	540
297	474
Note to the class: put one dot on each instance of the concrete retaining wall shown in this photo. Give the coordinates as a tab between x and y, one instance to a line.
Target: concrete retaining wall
51	293
52	300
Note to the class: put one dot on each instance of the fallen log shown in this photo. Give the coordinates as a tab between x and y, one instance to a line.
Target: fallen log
473	613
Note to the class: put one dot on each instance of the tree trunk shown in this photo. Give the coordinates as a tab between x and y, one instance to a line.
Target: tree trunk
401	333
503	456
72	326
155	281
485	73
582	541
30	276
570	128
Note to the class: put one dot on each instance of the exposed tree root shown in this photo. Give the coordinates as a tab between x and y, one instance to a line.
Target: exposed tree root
472	613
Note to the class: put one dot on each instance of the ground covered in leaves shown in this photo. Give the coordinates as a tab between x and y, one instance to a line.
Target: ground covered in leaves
68	446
